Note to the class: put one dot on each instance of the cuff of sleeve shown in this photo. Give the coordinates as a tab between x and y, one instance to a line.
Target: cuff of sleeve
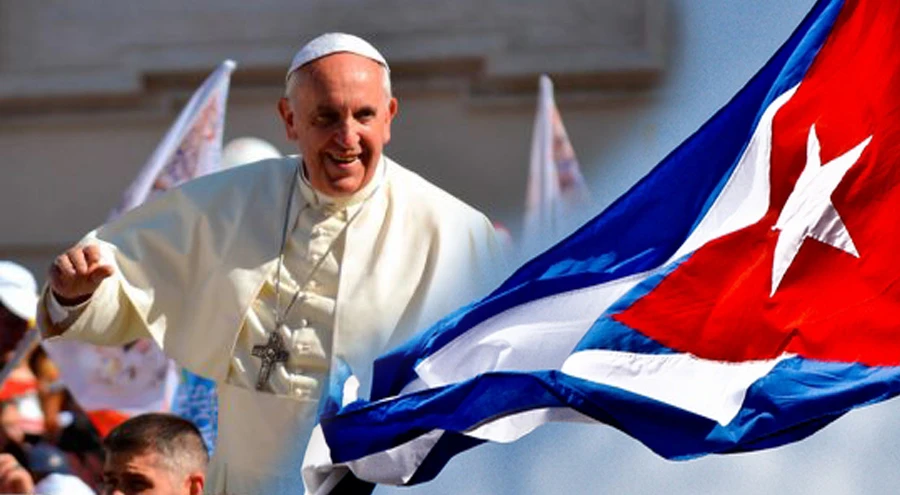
59	313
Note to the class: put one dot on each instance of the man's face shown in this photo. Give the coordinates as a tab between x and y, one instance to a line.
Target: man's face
144	474
340	118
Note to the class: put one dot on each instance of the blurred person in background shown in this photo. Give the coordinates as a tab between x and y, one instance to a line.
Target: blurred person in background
31	397
38	467
153	454
18	303
12	437
52	473
82	446
33	384
46	474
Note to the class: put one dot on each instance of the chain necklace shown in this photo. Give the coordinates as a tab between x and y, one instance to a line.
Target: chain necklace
274	351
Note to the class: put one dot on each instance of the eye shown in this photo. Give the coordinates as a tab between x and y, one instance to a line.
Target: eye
133	484
324	119
365	115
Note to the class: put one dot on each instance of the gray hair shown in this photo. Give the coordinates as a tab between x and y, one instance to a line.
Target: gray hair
293	81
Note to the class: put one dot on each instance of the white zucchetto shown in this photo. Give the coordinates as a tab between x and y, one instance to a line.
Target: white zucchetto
329	43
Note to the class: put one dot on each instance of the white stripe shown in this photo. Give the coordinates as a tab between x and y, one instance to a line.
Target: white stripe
396	466
712	389
514	426
533	336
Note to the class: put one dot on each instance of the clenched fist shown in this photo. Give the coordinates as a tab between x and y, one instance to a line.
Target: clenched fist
77	273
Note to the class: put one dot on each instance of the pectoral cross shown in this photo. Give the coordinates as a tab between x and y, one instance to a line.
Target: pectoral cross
270	354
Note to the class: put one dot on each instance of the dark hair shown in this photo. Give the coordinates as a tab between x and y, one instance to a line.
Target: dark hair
176	440
80	437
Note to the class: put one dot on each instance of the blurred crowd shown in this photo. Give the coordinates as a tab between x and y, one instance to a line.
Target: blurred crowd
42	429
48	445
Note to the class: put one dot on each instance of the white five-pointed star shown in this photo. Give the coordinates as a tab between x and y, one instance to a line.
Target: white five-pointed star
808	211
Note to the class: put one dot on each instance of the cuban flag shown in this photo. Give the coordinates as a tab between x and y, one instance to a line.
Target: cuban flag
741	296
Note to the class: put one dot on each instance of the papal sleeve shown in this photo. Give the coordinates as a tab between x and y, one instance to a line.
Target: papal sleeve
187	265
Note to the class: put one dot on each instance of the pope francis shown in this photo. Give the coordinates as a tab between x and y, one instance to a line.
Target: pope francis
262	277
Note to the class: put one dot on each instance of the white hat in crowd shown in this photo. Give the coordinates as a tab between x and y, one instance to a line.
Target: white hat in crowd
18	290
329	43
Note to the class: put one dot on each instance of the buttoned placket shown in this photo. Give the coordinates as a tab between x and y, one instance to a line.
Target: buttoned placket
321	229
317	233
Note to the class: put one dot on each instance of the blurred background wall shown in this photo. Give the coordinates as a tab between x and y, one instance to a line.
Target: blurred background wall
88	88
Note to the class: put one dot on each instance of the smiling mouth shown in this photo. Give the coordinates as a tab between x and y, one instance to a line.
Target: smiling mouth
343	161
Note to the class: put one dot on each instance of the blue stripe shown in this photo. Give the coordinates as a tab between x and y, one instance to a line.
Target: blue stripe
796	399
645	226
333	398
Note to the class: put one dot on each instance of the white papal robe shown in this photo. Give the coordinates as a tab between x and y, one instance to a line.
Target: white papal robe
196	271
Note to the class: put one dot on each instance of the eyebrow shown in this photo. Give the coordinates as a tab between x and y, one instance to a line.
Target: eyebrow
327	109
126	478
323	109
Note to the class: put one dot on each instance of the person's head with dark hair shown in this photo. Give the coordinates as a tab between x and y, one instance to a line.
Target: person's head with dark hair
155	454
82	446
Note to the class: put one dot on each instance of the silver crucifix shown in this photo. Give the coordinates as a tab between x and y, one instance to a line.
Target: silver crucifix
270	354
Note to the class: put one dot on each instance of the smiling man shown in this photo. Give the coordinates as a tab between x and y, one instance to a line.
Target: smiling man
268	277
339	110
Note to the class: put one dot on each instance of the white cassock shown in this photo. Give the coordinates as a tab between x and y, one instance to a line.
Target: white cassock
196	270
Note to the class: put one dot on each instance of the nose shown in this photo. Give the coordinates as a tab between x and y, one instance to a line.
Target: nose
347	135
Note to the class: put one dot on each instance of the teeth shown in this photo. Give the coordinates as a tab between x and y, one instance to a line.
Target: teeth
343	159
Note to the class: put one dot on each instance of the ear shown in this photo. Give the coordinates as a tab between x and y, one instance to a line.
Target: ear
287	117
195	483
393	107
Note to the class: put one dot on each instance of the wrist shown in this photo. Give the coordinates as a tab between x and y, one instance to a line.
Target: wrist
70	301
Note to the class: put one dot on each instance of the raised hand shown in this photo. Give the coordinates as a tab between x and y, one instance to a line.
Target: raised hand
77	273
